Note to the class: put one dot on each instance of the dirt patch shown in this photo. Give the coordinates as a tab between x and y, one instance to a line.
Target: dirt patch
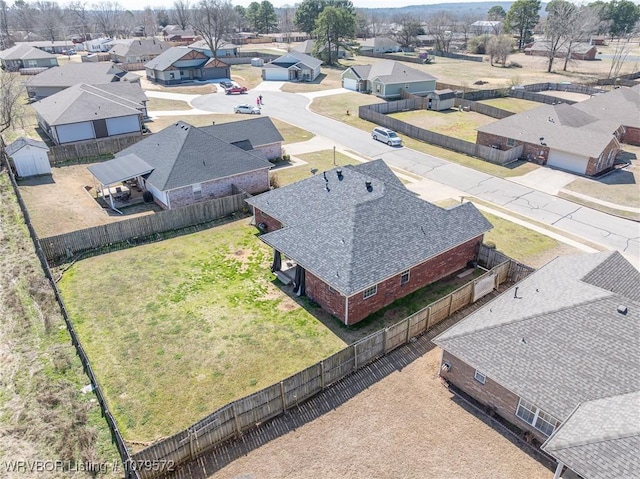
540	259
65	201
406	425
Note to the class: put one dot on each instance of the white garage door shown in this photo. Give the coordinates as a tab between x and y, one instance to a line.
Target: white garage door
125	124
350	84
280	74
75	132
567	161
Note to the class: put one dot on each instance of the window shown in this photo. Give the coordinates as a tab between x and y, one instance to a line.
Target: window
197	190
372	291
404	277
331	290
406	87
478	376
511	142
542	421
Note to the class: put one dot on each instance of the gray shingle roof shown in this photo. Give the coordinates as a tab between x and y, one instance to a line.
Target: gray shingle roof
259	131
72	73
168	58
83	102
577	346
601	438
183	155
621	105
139	47
120	169
390	71
562	127
22	142
352	238
22	51
301	57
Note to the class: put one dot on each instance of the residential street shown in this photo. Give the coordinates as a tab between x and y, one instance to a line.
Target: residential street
610	231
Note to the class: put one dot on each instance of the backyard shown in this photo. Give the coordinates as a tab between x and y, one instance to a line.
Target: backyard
178	328
452	122
514	105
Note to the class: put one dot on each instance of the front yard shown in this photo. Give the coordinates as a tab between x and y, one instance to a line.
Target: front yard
179	328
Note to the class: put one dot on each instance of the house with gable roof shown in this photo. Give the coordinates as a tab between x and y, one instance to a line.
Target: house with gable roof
563	136
182	64
56	79
137	50
360	240
557	356
86	112
380	45
25	56
387	78
292	66
184	164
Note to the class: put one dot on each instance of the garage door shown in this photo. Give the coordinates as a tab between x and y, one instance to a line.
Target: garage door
281	74
567	161
350	84
124	124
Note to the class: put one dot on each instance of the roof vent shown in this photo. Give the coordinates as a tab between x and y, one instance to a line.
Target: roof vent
622	309
368	185
339	173
523	341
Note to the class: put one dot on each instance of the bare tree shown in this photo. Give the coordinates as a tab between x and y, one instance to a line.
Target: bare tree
25	16
498	48
620	53
583	23
50	20
147	20
376	24
181	14
107	15
286	14
11	88
441	26
4	25
409	29
465	27
78	18
559	14
212	20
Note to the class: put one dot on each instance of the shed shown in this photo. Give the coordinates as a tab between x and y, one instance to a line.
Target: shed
257	62
440	100
29	157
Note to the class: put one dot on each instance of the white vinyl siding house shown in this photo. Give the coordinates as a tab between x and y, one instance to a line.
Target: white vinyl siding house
293	66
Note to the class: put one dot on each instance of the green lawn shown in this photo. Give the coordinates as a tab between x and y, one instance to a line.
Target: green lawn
320	160
178	328
514	105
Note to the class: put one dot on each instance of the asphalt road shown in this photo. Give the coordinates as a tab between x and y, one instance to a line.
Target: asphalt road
607	230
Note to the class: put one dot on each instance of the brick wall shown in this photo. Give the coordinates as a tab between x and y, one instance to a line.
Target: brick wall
330	300
252	182
261	217
421	275
490	394
271	151
609	155
631	136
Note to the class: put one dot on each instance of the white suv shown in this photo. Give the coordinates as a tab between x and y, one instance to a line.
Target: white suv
387	136
251	110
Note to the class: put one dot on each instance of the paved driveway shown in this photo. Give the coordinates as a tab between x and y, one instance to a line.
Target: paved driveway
609	231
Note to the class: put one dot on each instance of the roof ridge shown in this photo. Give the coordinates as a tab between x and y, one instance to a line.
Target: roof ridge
184	142
107	95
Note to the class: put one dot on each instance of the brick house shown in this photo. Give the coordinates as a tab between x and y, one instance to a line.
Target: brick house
560	135
360	240
557	355
183	164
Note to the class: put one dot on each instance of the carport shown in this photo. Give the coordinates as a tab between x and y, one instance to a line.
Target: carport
119	170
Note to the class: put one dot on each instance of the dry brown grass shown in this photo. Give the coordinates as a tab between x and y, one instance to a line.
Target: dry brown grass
453	123
406	425
43	414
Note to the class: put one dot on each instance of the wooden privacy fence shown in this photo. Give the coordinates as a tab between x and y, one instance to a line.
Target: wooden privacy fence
234	419
377	114
91	148
492	111
398	56
457	56
116	436
62	247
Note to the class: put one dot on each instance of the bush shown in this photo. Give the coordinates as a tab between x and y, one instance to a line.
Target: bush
274	182
514	65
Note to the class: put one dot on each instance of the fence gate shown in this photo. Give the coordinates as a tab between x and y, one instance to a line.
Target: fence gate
483	286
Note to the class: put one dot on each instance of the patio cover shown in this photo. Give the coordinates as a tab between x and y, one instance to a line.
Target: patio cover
120	169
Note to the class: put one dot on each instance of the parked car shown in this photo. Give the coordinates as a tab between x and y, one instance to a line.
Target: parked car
226	84
236	89
251	110
387	136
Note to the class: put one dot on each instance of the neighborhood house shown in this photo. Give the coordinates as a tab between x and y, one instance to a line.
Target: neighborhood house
137	51
293	66
387	78
183	164
355	239
557	355
25	56
183	64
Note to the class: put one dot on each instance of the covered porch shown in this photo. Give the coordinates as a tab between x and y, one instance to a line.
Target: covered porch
121	181
288	272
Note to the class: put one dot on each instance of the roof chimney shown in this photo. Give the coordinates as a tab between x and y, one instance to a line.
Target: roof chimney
368	185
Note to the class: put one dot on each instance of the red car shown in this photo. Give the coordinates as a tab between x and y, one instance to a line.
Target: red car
236	89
